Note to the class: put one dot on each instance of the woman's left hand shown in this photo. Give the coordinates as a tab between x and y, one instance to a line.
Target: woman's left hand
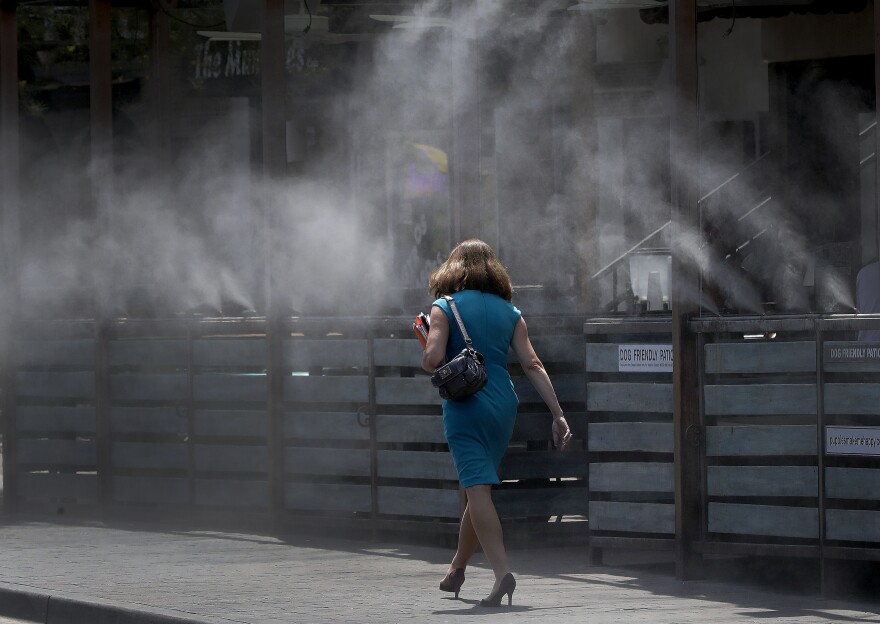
561	433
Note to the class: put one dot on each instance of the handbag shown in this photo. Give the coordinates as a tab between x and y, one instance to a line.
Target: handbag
463	375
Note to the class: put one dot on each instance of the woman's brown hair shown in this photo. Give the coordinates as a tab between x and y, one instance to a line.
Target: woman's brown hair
472	265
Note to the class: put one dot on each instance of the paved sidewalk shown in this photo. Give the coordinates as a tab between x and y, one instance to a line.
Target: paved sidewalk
96	574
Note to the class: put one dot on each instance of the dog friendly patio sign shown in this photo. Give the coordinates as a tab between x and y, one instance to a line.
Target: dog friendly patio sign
852	353
633	358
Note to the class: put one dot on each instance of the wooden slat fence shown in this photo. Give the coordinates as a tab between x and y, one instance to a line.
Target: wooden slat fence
774	482
187	418
416	478
171	418
630	442
536	478
852	482
327	429
759	409
55	450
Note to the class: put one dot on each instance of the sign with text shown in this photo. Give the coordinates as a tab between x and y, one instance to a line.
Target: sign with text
644	358
852	440
845	352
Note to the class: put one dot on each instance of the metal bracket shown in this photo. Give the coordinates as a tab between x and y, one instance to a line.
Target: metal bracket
364	415
695	435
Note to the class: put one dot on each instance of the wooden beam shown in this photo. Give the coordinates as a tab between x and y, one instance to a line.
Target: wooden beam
584	204
101	91
876	129
273	89
101	109
159	90
9	147
9	204
686	286
467	102
273	92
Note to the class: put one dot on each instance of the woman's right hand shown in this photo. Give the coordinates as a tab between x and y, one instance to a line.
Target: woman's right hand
561	433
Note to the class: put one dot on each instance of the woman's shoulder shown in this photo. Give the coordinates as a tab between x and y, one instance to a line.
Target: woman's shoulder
441	303
460	296
501	304
487	298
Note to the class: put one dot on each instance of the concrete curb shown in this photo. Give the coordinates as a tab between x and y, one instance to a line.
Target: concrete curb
38	606
23	604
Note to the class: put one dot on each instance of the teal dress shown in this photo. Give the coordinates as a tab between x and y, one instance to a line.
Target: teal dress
478	428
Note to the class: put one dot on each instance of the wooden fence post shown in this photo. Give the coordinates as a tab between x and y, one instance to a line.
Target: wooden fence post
101	128
466	126
9	205
876	129
273	91
686	289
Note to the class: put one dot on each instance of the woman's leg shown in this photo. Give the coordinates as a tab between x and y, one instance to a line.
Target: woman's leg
467	541
487	527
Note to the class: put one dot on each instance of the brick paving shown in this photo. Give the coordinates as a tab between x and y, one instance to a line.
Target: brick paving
239	577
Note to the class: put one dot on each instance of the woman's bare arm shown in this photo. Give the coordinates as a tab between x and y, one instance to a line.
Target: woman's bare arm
537	375
435	350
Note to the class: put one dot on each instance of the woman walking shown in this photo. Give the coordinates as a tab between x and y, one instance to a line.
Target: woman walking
478	429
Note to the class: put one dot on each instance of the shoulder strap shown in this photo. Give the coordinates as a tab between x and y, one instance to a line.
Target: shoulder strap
467	339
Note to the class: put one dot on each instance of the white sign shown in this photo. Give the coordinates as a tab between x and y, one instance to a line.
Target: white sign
644	358
852	440
852	352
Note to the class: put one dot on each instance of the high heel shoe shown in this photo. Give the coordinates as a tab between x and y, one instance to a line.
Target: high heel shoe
507	585
453	581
